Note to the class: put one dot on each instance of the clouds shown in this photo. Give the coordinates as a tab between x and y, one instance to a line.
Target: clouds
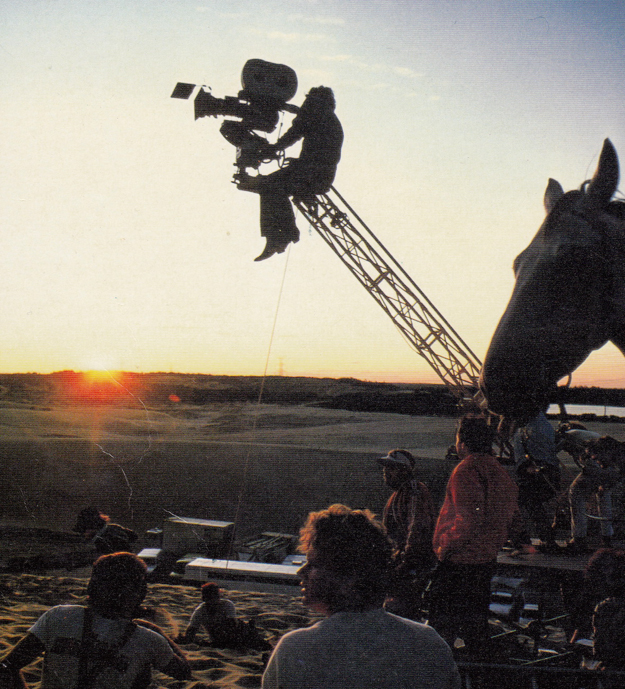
293	37
371	68
324	21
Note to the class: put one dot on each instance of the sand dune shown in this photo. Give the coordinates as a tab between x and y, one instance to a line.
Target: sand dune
267	464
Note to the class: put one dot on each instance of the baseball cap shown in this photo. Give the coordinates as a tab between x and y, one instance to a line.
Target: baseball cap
396	458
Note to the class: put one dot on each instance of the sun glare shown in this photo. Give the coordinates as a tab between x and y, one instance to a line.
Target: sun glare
99	375
97	386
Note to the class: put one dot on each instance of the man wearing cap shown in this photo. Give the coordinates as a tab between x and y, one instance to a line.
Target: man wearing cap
409	520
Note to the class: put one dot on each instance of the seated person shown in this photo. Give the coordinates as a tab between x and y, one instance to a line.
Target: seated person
105	536
609	637
310	174
603	578
217	616
608	624
99	646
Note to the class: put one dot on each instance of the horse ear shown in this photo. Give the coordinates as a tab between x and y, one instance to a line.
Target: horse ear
553	193
605	180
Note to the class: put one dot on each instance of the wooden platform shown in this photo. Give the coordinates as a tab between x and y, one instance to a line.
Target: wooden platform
544	561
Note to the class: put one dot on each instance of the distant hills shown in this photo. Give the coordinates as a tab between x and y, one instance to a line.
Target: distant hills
171	389
156	389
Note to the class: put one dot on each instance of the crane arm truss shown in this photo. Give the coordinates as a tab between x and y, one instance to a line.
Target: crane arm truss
418	320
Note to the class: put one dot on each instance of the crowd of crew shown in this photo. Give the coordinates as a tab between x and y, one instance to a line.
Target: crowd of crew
398	595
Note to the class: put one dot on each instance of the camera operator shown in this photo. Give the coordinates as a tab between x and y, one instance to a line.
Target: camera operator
310	174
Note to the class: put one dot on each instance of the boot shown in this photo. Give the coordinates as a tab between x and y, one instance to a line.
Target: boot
273	246
269	250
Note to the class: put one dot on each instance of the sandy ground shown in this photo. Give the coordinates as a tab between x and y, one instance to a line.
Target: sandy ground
24	598
262	466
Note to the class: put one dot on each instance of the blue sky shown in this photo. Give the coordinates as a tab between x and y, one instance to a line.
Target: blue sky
126	245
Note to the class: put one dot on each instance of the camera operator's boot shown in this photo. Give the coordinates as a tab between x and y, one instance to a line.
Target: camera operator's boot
269	250
273	246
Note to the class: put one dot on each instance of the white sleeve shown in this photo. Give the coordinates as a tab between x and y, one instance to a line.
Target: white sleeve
197	618
161	651
41	628
270	675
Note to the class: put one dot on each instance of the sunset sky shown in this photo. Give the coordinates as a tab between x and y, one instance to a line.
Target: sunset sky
126	246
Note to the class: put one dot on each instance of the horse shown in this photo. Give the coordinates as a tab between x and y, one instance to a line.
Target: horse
568	297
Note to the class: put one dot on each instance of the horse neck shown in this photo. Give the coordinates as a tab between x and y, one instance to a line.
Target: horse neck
614	233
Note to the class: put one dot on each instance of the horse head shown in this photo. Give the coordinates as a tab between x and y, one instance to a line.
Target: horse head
568	298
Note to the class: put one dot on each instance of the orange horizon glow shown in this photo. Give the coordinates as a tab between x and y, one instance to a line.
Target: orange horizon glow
604	377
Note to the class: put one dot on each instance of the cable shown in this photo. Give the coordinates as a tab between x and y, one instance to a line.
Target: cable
259	400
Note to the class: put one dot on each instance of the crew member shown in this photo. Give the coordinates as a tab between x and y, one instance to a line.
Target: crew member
310	174
409	520
474	523
358	644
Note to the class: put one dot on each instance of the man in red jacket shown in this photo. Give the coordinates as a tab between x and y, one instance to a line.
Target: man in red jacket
473	524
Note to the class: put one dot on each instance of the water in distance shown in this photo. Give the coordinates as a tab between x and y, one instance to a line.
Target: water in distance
598	409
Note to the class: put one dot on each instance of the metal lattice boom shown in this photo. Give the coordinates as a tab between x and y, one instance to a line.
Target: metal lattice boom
418	320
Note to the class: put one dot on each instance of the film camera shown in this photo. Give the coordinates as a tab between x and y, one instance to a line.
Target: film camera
266	89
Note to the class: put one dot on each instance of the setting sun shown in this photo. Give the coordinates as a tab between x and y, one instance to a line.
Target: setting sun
99	375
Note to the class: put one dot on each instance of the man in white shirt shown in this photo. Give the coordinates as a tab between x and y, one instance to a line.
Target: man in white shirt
215	614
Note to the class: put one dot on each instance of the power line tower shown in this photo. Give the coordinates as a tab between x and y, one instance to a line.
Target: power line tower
418	320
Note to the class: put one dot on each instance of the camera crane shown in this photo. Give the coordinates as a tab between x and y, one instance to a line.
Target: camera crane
417	319
266	89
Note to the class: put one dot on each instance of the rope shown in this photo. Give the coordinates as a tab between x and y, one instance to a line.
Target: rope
258	402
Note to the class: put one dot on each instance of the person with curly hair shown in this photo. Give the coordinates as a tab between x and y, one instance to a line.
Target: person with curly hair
358	644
